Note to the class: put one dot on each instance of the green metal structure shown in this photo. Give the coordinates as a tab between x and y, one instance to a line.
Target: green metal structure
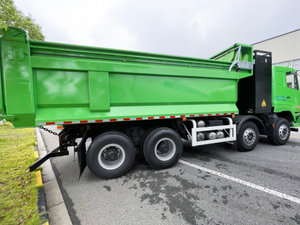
128	101
285	93
50	83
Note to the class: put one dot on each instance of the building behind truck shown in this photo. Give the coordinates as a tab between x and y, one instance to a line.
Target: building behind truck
285	49
129	101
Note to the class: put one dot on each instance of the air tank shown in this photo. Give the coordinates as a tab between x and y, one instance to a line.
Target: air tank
220	134
211	135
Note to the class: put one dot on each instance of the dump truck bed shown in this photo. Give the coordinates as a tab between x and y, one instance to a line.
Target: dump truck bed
45	83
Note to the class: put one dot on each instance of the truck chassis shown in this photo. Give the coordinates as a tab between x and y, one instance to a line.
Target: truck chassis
114	145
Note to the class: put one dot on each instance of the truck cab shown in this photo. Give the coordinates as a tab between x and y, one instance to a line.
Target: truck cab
286	94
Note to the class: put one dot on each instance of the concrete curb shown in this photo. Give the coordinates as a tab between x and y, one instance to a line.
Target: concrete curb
42	209
57	211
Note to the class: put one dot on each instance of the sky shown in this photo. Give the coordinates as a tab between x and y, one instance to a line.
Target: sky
194	28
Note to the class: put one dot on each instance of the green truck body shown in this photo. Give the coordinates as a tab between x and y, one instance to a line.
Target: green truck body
57	83
96	90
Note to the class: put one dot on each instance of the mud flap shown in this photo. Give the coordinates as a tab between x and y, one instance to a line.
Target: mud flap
232	145
81	151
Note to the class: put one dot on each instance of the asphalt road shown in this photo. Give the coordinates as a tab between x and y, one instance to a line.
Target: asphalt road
210	185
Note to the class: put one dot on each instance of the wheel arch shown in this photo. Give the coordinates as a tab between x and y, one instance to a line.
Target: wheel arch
286	115
240	120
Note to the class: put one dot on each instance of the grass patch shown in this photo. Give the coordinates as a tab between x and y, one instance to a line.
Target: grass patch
18	191
40	187
39	168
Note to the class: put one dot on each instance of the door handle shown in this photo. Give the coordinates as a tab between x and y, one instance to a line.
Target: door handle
288	97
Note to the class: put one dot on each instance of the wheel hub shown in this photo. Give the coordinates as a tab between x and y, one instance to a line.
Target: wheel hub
249	137
163	147
283	132
111	154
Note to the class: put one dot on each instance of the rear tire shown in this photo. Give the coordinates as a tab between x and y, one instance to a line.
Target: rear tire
144	136
281	133
111	155
162	148
248	137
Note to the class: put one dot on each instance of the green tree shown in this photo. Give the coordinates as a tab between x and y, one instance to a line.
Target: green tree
10	16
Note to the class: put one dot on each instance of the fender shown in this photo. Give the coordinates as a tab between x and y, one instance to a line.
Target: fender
241	119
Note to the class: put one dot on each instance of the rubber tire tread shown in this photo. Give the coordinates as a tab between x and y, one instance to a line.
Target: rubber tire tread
242	147
149	145
147	132
102	140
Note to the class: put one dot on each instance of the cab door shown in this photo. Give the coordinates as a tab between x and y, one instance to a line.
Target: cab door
292	92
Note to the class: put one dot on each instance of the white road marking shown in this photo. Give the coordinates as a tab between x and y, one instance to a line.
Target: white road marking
267	190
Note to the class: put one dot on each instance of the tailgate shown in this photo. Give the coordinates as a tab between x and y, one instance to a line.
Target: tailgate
1	85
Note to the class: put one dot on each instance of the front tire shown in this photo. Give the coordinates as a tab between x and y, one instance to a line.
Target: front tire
248	137
162	148
281	133
110	155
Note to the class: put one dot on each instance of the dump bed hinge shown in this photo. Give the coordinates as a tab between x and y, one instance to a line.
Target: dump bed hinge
8	117
241	64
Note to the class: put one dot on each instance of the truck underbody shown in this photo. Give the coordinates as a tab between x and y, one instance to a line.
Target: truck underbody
160	141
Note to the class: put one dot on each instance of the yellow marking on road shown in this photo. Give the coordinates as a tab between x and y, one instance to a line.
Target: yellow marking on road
294	137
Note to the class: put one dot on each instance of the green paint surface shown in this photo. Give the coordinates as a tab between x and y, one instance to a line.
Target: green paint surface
285	98
51	82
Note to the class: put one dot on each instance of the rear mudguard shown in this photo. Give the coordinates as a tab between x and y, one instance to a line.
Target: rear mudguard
241	119
81	151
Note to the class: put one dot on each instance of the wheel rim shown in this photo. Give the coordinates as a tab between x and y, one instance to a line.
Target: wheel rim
283	132
111	156
165	149
249	136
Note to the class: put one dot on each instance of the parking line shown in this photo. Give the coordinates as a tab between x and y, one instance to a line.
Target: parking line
267	190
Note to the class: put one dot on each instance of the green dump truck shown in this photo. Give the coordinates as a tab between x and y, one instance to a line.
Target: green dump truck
127	101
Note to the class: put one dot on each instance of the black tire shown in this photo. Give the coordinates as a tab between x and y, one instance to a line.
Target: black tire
162	148
248	137
281	133
111	155
147	132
